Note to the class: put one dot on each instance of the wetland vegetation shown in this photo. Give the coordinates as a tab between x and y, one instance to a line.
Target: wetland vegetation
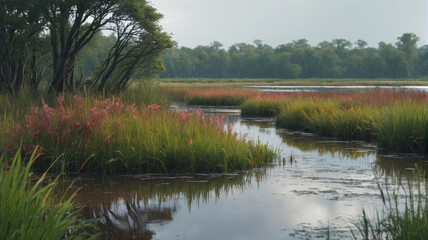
78	106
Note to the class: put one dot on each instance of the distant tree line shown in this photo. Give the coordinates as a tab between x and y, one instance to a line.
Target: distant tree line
336	59
59	42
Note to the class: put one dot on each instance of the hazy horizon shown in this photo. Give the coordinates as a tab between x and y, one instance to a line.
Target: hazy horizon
200	22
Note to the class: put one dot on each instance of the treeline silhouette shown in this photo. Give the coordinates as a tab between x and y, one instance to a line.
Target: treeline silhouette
336	59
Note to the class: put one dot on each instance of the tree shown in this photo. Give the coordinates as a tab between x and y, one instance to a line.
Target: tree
20	22
407	43
139	43
70	25
361	44
395	60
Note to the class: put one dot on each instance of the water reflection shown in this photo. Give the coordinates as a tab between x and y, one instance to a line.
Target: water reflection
280	88
127	206
307	142
399	167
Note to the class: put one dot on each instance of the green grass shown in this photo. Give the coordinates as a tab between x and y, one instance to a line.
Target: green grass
268	107
403	127
398	220
400	127
108	136
396	120
31	210
326	117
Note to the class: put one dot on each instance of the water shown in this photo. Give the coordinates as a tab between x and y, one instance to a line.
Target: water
279	88
317	188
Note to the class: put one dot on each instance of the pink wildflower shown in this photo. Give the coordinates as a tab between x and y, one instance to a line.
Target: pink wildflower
154	107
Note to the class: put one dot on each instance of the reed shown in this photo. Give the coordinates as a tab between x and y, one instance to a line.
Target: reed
403	127
31	210
397	220
215	96
108	136
397	120
261	107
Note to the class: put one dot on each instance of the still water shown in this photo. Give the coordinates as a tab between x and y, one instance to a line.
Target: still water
280	88
316	188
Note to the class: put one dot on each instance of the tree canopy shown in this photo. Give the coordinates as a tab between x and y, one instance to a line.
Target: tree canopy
338	58
40	35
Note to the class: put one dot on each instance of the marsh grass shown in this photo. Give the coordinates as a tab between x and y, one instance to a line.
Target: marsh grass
108	136
398	220
267	107
397	120
403	127
31	210
327	117
219	96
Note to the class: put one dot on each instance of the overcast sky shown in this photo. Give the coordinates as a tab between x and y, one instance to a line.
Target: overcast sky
200	22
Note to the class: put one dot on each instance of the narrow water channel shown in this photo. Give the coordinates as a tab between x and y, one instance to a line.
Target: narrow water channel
316	188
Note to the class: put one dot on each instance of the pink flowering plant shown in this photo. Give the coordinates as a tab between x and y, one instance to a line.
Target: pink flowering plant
108	136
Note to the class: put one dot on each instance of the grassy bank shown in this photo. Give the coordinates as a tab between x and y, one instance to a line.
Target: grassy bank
397	120
108	136
31	210
211	96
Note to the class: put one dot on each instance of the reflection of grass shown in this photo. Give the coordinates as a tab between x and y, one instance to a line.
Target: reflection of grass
397	167
159	188
126	205
408	220
30	211
307	144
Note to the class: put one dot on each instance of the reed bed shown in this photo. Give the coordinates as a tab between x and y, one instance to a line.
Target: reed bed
31	210
213	96
327	117
397	120
108	136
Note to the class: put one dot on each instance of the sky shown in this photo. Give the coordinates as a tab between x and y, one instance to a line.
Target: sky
200	22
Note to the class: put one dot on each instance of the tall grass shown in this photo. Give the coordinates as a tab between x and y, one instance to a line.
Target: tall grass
109	136
327	117
408	220
266	107
32	211
396	119
213	96
403	127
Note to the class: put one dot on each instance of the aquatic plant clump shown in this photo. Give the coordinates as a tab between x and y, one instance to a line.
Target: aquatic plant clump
31	211
111	137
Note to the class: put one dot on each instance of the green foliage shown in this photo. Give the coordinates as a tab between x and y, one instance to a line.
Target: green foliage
335	59
31	210
71	32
